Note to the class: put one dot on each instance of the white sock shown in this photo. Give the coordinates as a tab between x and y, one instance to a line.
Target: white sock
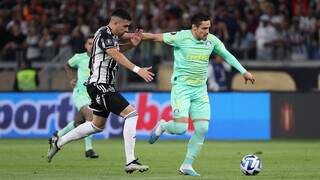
129	135
159	130
186	166
79	132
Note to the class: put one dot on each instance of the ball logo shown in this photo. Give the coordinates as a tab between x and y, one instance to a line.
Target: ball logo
209	44
176	112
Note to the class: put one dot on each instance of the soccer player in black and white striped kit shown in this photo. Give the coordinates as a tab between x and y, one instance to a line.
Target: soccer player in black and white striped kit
106	55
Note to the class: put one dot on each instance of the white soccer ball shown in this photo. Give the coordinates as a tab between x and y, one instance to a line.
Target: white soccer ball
251	165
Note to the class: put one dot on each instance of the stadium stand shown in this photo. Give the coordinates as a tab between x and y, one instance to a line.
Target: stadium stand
265	81
45	31
164	76
7	79
59	80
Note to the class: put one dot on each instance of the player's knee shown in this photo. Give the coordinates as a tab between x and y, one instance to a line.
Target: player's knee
98	123
201	127
131	114
181	128
97	128
127	111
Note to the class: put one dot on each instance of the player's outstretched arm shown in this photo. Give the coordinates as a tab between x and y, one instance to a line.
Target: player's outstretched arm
134	40
144	36
227	56
152	37
145	73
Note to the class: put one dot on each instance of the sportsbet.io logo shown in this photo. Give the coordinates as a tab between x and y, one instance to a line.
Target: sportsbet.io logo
39	116
30	116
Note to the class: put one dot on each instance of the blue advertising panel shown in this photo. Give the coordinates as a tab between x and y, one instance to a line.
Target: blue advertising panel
234	116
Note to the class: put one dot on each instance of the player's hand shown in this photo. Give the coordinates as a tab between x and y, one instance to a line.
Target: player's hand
146	74
73	82
136	37
248	76
127	36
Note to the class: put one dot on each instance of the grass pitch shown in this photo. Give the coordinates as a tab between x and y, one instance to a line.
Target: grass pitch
282	159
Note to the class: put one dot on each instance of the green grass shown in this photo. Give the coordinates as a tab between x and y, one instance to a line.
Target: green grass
282	159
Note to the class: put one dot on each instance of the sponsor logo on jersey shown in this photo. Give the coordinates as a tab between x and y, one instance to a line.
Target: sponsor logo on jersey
209	44
176	112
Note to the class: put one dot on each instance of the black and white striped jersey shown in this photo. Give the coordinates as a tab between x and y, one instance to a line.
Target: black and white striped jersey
103	68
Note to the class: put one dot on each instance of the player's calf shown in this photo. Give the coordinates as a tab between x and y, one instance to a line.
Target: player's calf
174	127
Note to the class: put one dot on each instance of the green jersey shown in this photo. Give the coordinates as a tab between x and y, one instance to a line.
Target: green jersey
81	62
191	57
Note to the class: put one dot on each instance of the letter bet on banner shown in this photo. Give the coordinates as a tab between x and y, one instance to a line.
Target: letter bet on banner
38	115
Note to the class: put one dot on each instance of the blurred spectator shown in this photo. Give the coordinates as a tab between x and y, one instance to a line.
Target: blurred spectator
77	40
279	45
32	10
94	25
283	9
296	38
227	16
46	45
27	78
65	23
315	42
62	42
221	32
7	4
18	19
299	7
14	48
32	40
4	33
84	28
265	36
244	46
252	21
217	74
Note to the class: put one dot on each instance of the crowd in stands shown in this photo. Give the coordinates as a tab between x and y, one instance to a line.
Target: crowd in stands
38	30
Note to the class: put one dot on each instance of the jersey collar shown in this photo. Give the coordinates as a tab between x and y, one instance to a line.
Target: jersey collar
110	30
196	40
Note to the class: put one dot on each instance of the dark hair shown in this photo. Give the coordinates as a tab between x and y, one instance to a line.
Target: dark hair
90	36
198	18
123	14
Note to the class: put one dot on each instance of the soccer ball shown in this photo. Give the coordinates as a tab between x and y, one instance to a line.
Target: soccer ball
250	165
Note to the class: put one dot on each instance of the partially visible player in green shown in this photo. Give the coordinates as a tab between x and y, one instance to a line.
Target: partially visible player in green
78	71
189	96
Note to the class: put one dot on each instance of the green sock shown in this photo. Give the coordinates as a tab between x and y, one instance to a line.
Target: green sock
173	127
88	142
196	141
66	129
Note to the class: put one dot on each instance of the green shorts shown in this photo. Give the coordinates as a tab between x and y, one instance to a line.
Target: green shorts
80	98
190	100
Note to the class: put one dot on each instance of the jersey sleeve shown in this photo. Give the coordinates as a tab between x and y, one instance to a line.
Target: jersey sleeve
172	38
106	41
220	50
74	61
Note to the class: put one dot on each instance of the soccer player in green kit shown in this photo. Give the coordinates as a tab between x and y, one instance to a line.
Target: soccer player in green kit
78	71
192	49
